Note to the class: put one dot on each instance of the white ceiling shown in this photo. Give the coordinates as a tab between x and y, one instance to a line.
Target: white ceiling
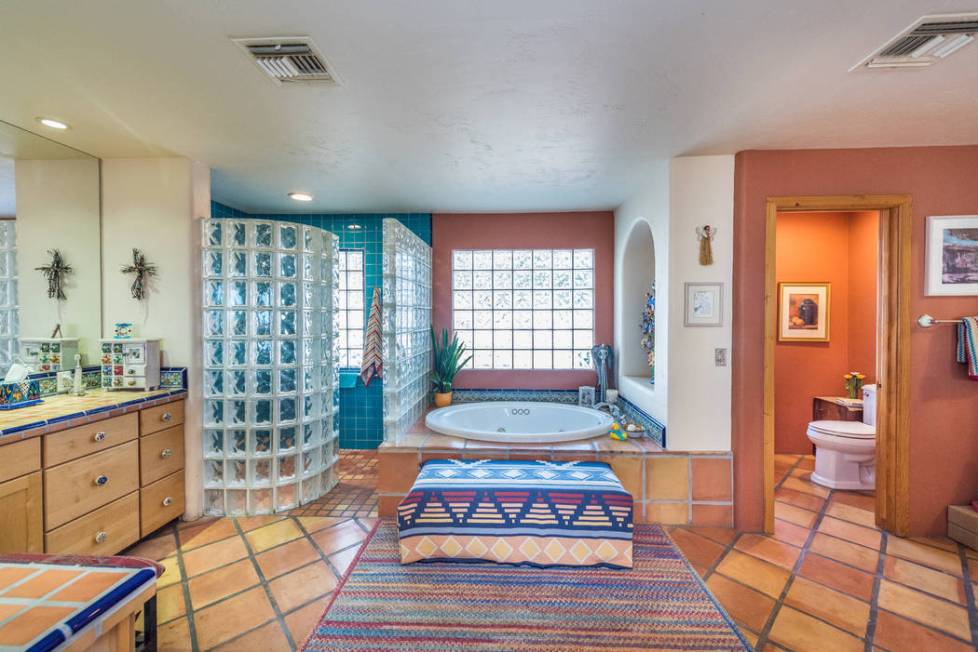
474	105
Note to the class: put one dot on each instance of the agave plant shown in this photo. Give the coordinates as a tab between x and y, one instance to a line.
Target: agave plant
448	360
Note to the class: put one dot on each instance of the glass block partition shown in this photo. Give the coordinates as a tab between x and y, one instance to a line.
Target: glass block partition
8	293
406	323
271	395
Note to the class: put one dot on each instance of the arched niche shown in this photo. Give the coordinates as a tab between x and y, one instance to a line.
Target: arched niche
638	275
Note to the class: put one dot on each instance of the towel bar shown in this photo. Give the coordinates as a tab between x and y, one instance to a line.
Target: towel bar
926	321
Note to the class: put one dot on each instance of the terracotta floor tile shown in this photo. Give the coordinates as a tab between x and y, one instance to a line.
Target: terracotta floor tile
249	523
161	546
850	553
174	636
273	535
764	577
745	605
212	586
924	554
799	631
721	535
852	514
302	621
787	458
898	634
805	487
836	608
170	604
701	552
796	535
285	558
925	609
792	514
926	579
768	549
195	536
807	462
227	619
838	576
316	523
341	560
171	572
864	536
301	586
799	499
267	638
200	560
339	537
855	499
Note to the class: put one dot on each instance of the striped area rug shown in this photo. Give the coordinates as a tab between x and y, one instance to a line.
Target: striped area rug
660	604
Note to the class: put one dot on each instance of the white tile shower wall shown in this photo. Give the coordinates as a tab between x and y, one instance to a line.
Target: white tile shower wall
270	375
406	324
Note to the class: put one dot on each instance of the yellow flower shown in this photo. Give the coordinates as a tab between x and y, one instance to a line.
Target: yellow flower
847	376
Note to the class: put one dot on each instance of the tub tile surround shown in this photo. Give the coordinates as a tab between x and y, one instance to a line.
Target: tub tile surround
669	487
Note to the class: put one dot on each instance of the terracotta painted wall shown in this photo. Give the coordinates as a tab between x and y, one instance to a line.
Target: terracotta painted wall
525	231
944	404
841	249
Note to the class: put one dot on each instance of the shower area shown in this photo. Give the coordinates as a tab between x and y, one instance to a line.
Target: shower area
271	331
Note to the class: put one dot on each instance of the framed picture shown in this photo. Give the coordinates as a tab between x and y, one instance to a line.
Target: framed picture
803	312
704	304
952	255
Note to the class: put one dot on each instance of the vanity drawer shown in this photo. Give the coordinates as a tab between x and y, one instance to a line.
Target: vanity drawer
78	487
105	531
160	417
134	370
20	458
61	447
134	382
161	502
160	454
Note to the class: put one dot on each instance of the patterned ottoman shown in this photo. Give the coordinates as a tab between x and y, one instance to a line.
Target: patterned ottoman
535	513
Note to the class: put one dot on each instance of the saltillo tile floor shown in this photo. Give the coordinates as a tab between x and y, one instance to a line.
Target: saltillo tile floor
827	579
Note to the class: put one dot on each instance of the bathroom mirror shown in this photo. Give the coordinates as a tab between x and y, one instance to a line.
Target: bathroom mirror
49	201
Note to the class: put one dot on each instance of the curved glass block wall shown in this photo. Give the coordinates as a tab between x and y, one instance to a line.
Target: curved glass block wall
8	293
270	376
406	322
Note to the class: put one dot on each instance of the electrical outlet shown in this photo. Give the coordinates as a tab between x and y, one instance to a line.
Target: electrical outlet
720	357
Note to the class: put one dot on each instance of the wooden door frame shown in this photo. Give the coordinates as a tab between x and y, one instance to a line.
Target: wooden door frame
893	363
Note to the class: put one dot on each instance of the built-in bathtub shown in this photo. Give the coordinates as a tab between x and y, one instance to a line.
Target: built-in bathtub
518	422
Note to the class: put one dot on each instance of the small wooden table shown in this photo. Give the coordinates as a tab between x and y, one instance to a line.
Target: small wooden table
63	602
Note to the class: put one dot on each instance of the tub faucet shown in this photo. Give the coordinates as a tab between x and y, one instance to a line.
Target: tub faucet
613	410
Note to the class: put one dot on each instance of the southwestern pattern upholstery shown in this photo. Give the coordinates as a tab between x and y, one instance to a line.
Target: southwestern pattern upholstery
517	512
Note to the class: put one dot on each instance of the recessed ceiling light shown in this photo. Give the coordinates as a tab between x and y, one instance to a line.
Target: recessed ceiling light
52	123
300	196
354	227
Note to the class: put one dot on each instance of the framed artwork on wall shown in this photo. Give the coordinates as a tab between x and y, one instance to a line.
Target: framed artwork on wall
704	304
803	312
952	255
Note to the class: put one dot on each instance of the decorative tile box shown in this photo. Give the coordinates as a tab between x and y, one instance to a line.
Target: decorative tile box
131	364
962	525
49	353
18	395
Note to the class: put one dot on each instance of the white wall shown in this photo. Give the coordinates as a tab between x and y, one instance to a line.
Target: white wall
691	395
58	208
155	205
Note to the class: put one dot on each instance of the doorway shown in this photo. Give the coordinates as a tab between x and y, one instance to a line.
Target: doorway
893	350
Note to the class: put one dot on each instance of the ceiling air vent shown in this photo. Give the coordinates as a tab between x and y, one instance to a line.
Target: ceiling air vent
929	40
288	58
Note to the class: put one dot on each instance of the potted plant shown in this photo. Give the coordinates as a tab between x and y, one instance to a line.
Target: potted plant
448	362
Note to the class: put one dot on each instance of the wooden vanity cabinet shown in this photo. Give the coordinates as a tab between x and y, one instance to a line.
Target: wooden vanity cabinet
21	504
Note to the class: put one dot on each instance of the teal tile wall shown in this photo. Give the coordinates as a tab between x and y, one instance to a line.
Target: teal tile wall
361	408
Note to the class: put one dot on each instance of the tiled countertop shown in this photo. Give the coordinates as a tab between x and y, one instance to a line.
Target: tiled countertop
64	411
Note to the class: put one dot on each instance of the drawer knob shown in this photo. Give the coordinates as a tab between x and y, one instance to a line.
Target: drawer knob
101	537
132	372
99	436
167	501
166	452
101	481
166	417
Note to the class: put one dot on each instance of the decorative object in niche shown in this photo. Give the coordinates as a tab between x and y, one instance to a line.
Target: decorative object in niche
952	255
704	304
56	272
143	271
603	359
131	364
648	331
705	234
123	331
45	354
803	312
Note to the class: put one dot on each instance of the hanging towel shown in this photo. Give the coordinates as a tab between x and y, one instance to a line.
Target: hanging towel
967	352
373	362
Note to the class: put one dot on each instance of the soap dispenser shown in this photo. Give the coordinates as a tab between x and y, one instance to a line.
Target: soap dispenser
78	386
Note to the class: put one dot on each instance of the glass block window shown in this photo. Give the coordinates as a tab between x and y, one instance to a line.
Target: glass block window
524	308
8	293
351	305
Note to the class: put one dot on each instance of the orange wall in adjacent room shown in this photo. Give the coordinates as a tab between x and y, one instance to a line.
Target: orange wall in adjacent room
840	249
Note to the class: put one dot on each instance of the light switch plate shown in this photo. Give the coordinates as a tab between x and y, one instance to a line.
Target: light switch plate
720	357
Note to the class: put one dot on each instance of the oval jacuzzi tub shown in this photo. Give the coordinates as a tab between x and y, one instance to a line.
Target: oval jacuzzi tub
520	422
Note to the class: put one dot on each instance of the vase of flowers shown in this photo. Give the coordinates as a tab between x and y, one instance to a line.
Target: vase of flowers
448	362
854	383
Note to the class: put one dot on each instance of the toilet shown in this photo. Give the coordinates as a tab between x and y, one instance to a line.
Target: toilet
845	451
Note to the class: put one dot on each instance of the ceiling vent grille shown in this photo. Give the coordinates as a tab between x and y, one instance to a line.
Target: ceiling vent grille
288	59
928	41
